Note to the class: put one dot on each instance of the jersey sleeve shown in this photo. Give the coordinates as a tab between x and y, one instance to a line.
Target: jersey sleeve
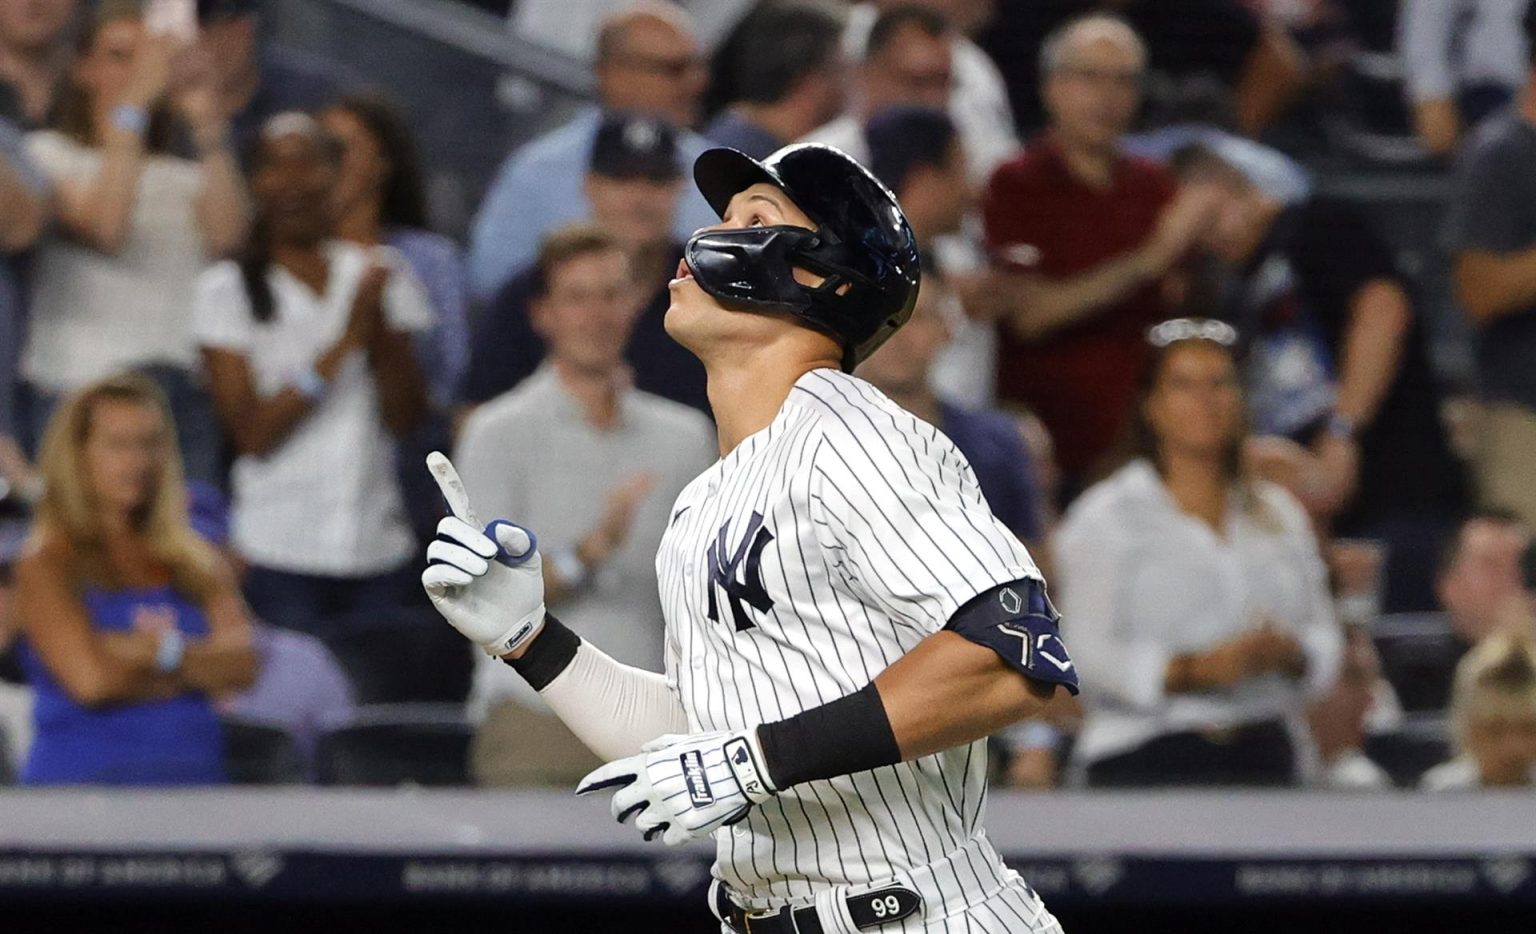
900	512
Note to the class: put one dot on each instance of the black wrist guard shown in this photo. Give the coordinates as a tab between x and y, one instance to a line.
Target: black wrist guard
848	735
548	654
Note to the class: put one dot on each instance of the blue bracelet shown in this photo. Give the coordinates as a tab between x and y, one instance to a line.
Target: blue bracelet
169	654
130	118
310	384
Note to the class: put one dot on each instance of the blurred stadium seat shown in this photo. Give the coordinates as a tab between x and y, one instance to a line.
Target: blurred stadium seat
1418	652
397	744
1422	743
406	657
260	753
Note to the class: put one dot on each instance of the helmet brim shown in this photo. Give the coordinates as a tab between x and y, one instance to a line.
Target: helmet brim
721	174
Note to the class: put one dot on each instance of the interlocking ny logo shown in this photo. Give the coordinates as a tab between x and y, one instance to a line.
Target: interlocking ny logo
747	585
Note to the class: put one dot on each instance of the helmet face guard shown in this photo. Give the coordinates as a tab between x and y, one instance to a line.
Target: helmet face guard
752	269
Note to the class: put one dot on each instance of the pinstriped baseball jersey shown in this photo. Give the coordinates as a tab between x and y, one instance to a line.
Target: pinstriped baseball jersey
796	569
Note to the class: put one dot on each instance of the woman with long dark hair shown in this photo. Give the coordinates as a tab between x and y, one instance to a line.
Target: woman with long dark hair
1194	596
131	622
309	345
135	222
380	198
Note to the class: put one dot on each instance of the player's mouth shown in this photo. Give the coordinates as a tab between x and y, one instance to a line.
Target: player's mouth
683	272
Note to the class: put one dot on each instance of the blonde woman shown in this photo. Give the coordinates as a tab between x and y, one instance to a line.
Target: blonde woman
1493	714
131	621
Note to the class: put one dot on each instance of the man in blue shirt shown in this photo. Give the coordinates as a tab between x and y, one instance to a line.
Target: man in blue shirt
648	62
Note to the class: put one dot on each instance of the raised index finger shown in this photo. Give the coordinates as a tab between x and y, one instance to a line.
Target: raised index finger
452	487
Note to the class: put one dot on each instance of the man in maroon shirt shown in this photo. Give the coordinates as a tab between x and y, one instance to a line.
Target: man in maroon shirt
1086	240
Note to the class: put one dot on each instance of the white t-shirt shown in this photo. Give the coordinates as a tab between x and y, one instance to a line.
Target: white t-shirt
325	501
92	314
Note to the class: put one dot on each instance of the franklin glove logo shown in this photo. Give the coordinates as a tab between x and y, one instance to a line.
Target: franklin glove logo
699	791
740	575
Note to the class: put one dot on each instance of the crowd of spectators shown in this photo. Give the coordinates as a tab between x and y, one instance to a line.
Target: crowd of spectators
1201	386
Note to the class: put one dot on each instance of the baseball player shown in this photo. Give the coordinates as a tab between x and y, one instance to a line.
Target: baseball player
845	619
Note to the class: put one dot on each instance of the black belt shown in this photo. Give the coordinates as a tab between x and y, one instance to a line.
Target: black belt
867	909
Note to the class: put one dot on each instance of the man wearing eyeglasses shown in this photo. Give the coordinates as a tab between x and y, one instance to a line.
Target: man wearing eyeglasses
1086	241
907	63
648	63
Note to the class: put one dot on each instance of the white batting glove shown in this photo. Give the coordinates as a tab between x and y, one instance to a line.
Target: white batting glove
489	584
685	787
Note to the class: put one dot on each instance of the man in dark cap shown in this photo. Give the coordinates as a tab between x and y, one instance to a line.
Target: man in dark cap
634	186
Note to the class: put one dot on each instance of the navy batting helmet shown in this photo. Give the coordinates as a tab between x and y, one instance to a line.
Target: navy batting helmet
862	245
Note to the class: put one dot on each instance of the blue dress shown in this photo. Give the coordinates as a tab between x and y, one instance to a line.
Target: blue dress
166	742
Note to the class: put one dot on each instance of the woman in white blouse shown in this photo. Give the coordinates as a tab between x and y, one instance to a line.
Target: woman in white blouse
1194	597
112	285
308	343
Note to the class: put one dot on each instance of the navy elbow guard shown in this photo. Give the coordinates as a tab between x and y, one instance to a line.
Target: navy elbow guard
1016	620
